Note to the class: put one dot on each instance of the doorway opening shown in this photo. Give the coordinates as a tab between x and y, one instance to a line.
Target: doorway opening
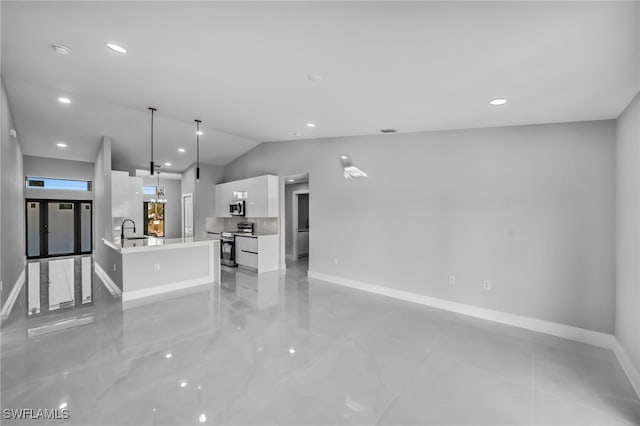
297	224
58	227
187	215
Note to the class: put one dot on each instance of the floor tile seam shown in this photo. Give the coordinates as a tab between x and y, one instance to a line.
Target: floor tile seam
584	405
483	368
398	395
581	402
581	383
305	366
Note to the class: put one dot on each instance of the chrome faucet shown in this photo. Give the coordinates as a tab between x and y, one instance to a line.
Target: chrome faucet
122	228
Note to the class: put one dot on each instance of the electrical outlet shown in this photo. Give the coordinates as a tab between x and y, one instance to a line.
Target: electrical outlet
452	279
156	267
486	284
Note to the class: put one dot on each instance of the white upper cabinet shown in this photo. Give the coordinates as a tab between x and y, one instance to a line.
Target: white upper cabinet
222	198
260	195
119	194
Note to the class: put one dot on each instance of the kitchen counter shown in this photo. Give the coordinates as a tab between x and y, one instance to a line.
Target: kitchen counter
152	243
153	266
245	234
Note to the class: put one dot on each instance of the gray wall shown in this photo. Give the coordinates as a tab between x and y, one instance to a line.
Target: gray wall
173	208
60	169
528	207
203	194
627	323
12	237
288	209
102	206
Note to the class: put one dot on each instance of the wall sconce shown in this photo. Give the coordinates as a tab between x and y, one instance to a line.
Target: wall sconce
349	171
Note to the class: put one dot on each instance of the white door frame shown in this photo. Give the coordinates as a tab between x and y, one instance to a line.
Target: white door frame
182	215
294	219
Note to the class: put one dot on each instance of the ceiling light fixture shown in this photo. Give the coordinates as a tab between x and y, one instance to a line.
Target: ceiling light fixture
167	164
290	180
311	125
349	171
198	133
497	102
182	150
64	100
61	49
151	167
116	48
61	145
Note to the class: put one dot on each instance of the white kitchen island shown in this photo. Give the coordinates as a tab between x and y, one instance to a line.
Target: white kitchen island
153	266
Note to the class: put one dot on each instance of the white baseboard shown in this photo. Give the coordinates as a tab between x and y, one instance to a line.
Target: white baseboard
111	286
627	365
128	296
591	337
13	296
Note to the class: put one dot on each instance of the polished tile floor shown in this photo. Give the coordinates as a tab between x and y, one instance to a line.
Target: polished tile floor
281	349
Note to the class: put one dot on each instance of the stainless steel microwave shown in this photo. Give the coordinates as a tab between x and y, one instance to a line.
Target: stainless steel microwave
236	208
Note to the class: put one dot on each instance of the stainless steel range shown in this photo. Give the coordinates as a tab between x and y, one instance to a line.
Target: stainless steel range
228	243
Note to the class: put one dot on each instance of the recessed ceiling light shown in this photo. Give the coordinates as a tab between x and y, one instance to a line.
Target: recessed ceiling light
314	77
61	145
292	351
497	102
168	355
290	180
181	150
344	157
61	49
167	164
63	406
116	48
64	100
311	125
202	418
183	383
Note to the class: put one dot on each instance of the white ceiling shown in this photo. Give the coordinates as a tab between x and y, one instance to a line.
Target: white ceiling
242	68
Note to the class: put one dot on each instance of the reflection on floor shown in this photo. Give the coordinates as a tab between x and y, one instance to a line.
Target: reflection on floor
58	283
280	349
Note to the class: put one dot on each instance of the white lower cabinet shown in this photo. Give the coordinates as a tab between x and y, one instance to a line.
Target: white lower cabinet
258	252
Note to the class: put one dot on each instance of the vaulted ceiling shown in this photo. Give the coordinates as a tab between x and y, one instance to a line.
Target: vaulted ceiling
244	67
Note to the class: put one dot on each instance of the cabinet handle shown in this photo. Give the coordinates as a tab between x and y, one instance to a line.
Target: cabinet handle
247	251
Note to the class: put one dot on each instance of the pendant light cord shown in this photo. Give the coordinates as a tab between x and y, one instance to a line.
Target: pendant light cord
198	149
151	165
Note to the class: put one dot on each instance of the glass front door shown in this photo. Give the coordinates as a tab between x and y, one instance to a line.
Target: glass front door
58	228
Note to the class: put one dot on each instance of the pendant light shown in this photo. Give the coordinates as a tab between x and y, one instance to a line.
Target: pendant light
198	150
151	167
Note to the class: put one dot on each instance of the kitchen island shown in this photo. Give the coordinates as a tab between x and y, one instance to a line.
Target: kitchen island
149	266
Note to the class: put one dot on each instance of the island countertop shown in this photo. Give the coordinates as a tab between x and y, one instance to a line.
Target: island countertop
153	243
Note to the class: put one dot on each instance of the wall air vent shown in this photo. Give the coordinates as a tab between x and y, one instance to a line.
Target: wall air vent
388	130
